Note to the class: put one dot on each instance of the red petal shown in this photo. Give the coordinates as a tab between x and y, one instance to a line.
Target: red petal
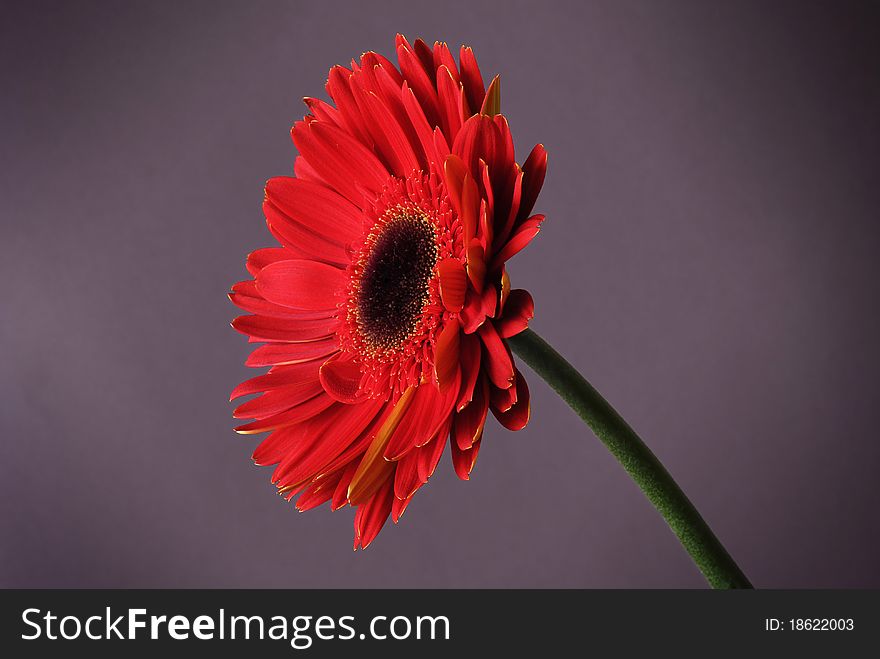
398	508
291	353
429	454
454	171
317	208
371	517
446	350
341	378
296	414
245	296
324	111
469	210
453	283
390	139
504	158
260	258
479	139
419	122
443	57
279	376
534	170
473	314
510	221
463	461
386	65
448	93
391	94
285	330
339	89
521	237
518	311
323	438
471	78
317	493
273	449
301	284
340	494
426	57
468	424
516	417
441	146
429	409
490	300
420	83
476	265
356	451
485	226
278	400
346	164
499	363
305	172
406	476
374	469
470	368
502	400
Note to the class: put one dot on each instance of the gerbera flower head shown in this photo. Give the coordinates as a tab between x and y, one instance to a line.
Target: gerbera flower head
384	310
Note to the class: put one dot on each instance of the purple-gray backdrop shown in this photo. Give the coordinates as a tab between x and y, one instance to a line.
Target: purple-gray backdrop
709	262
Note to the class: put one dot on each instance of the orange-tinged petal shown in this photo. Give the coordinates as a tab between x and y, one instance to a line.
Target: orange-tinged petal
505	290
492	102
415	425
454	171
373	469
323	439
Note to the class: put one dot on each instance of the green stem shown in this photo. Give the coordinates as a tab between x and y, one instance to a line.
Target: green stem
636	458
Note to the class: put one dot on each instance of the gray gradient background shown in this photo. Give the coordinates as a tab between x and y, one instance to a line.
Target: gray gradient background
709	261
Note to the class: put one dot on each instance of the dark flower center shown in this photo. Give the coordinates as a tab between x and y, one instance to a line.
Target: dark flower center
394	283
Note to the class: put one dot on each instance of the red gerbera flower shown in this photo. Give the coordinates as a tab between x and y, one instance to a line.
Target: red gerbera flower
385	310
